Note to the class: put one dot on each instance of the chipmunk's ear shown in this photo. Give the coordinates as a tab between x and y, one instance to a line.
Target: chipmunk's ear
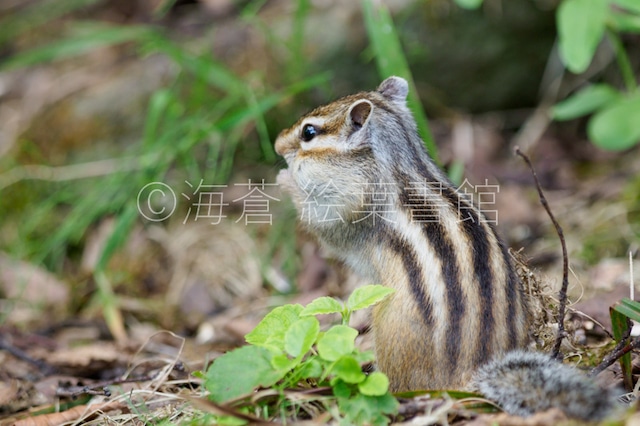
395	89
359	113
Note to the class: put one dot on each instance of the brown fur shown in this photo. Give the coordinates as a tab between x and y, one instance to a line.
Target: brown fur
458	302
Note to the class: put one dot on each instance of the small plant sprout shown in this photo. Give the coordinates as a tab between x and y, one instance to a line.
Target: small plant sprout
361	298
288	350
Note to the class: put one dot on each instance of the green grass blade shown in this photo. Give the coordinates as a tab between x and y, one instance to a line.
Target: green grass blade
83	38
109	304
391	61
106	296
619	325
202	67
629	308
36	15
261	127
298	64
244	115
633	306
626	311
159	102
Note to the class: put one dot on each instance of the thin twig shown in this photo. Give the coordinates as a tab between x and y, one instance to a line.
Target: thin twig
565	259
100	388
44	368
622	348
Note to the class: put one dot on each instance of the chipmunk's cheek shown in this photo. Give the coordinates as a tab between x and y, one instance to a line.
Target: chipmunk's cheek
288	185
287	178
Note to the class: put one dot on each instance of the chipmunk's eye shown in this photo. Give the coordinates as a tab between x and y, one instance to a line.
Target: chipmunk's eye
309	132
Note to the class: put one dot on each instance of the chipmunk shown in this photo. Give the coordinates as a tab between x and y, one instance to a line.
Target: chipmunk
366	187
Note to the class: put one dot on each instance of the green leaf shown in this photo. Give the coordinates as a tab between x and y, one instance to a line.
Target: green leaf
301	336
322	305
619	325
283	362
340	388
586	101
376	384
629	308
270	332
218	420
581	25
367	295
632	304
348	369
469	4
385	403
631	5
363	409
239	372
616	127
338	341
311	368
364	356
624	22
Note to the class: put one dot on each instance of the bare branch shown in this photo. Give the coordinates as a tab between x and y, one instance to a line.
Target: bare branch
565	259
623	347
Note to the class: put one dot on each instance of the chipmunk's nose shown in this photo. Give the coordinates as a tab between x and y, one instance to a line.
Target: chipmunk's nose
286	142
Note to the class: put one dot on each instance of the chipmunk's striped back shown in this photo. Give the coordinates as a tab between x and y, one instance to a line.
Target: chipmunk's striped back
366	187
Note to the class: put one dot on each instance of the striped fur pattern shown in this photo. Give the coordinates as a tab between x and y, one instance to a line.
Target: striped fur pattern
366	187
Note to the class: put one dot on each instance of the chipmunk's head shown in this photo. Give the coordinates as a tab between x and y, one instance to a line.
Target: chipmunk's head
341	126
335	149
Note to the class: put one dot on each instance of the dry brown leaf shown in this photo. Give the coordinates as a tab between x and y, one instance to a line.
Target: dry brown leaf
8	391
34	290
105	353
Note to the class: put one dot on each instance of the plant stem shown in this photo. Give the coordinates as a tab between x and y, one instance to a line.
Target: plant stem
623	61
346	316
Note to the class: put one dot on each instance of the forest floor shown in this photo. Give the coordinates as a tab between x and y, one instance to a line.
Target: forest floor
187	291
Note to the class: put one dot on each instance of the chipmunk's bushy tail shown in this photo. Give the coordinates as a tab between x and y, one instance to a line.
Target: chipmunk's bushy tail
523	383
